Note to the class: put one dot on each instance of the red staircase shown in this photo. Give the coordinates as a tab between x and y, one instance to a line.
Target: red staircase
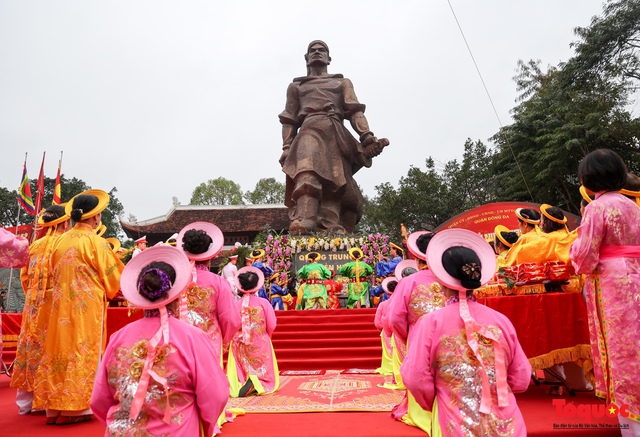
327	340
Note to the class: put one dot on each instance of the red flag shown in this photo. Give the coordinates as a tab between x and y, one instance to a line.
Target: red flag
57	189
40	187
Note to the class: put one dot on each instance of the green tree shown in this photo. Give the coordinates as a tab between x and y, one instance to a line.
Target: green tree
267	191
570	110
8	207
557	123
609	45
218	191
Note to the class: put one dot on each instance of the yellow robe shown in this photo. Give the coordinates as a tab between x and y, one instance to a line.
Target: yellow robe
512	255
501	260
38	289
553	246
85	273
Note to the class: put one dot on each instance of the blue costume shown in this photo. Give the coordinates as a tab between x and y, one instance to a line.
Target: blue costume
277	292
379	292
267	272
386	268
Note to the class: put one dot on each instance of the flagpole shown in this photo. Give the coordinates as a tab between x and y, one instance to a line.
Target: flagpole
38	199
17	225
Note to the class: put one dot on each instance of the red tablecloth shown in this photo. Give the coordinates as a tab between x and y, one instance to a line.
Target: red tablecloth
552	327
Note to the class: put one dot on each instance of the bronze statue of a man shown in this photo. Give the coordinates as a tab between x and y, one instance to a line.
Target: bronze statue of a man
319	154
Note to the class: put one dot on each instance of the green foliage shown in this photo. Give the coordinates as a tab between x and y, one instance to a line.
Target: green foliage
267	191
573	109
609	46
557	123
8	207
218	191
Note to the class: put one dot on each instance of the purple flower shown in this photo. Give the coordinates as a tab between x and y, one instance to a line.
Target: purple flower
269	237
279	252
288	264
370	237
287	251
375	246
365	249
276	243
378	236
282	263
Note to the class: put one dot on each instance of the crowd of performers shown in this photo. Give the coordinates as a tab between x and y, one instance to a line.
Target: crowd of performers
160	375
458	361
315	286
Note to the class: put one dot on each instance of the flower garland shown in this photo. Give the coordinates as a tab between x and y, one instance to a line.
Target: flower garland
280	249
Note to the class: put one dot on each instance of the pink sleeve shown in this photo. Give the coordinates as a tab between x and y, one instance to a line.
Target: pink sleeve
210	382
519	370
416	369
228	316
377	321
102	397
397	313
585	250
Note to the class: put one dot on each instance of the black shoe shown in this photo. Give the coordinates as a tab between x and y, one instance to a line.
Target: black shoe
247	389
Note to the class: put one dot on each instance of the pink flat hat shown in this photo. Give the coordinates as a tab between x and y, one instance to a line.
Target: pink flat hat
176	258
448	238
404	264
212	231
248	269
413	246
386	282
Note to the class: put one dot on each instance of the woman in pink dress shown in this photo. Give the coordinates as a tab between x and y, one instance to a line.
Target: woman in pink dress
252	366
158	376
386	367
607	251
416	295
464	362
209	300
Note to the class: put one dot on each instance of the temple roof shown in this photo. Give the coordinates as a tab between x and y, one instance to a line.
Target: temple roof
231	219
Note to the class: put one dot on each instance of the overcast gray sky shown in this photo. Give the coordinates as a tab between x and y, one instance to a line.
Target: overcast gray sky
155	97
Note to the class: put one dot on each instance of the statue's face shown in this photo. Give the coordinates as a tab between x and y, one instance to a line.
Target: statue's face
317	54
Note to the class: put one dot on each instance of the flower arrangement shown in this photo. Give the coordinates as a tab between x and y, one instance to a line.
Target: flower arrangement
280	249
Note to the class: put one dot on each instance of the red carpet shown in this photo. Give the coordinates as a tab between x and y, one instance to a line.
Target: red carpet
537	408
334	391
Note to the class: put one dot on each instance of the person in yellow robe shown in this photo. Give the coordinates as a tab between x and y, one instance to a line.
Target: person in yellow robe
528	221
503	240
86	273
38	288
553	244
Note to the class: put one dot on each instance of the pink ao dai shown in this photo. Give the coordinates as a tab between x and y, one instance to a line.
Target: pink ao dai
612	289
440	364
255	356
198	389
